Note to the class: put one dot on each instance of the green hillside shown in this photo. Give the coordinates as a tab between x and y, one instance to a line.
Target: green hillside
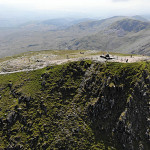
78	105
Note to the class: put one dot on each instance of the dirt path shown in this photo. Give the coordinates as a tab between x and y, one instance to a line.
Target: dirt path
29	64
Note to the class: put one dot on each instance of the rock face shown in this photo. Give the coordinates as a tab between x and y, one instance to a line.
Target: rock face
117	112
80	105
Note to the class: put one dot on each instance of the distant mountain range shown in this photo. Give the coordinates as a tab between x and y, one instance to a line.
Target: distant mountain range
54	24
117	34
125	36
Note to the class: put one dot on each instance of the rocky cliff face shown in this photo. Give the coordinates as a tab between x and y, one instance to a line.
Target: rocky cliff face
118	108
81	105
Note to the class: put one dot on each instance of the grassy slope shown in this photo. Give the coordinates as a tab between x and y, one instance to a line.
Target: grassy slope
49	109
57	106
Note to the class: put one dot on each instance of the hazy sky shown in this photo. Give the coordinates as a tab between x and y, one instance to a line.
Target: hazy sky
88	7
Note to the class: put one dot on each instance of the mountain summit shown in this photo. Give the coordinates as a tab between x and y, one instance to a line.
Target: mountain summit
130	25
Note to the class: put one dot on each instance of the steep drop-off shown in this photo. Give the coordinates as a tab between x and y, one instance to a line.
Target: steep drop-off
79	105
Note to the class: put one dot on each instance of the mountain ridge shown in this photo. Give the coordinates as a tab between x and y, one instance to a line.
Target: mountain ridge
125	36
84	35
131	25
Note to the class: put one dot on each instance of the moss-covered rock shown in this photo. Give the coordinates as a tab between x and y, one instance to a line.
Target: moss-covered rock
79	105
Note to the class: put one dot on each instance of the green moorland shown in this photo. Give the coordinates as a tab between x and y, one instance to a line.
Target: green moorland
78	105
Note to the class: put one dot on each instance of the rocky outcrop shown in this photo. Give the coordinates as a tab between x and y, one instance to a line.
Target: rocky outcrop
118	109
80	105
